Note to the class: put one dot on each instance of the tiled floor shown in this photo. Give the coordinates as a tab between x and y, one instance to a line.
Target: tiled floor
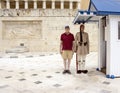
41	73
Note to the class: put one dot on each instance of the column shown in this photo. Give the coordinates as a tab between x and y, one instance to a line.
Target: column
71	5
16	4
62	4
79	4
26	4
0	4
53	4
7	4
44	4
35	4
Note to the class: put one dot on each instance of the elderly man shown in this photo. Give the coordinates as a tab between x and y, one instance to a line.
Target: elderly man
66	48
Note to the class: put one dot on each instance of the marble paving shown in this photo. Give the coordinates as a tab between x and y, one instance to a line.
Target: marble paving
42	73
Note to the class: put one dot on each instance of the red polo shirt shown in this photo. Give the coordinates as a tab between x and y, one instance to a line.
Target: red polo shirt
67	40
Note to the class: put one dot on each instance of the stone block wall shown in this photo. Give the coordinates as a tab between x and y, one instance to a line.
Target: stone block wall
47	39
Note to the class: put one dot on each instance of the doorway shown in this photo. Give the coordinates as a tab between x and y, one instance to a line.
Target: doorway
102	45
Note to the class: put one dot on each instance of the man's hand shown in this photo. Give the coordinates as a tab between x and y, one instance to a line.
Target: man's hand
61	51
75	51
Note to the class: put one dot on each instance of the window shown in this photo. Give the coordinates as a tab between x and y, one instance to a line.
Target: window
30	4
3	4
57	4
21	4
66	5
39	4
74	5
12	4
49	4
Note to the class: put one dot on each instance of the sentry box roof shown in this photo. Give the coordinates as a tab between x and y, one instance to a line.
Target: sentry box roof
98	8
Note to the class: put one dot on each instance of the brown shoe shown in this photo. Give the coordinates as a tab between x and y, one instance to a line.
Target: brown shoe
65	71
85	71
68	71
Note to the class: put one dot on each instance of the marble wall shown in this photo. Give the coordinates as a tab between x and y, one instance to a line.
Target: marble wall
85	4
39	30
37	12
21	29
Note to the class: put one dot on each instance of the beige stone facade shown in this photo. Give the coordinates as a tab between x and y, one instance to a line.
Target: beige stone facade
84	4
39	24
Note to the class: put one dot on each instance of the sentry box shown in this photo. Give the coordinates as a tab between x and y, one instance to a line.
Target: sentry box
107	14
